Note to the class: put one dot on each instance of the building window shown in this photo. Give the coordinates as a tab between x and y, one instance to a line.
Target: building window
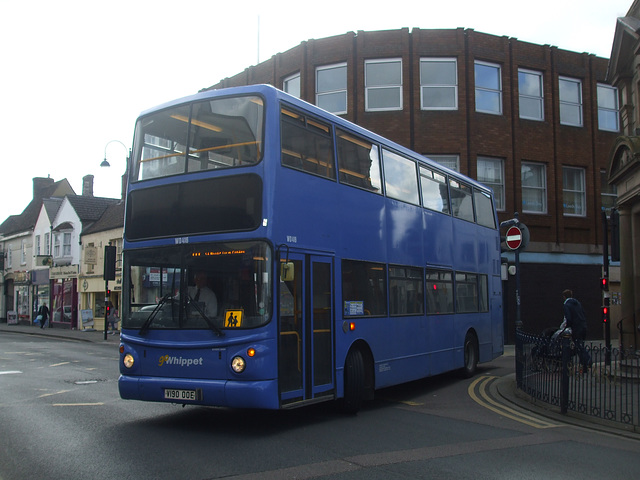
574	201
23	253
570	101
607	108
47	244
66	244
383	85
491	173
37	244
531	97
331	88
488	88
438	84
608	193
534	187
452	162
291	85
56	245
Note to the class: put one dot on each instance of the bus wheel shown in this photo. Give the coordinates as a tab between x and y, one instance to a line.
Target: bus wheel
353	382
470	355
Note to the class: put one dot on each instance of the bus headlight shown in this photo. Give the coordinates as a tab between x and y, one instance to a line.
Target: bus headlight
127	361
238	364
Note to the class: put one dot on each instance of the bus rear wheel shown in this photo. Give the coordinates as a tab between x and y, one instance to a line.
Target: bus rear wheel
471	355
354	379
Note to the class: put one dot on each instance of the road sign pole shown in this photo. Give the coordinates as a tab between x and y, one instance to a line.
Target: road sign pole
518	316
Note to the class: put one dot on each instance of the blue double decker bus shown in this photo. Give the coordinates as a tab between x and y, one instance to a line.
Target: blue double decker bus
276	255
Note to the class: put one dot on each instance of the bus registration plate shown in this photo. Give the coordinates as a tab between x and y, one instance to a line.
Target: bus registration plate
173	394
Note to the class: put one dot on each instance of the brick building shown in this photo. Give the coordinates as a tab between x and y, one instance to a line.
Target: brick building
534	122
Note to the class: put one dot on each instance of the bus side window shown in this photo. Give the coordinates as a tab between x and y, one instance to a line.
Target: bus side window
306	144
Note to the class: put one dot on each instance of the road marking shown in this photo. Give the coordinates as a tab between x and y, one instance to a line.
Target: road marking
10	372
54	393
486	401
58	364
97	404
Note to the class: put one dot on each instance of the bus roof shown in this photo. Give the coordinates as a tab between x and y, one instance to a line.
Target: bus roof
269	91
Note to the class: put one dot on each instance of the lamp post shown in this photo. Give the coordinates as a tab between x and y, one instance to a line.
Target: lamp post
105	163
109	271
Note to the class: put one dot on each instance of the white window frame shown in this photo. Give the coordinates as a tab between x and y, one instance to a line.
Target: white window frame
488	89
37	244
435	86
371	88
23	252
538	188
608	192
568	105
581	192
47	244
452	162
606	111
497	186
339	91
56	245
529	97
66	244
287	82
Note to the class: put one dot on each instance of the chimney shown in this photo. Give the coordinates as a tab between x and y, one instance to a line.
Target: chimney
40	185
87	186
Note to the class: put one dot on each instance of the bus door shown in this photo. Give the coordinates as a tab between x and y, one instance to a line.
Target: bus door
305	360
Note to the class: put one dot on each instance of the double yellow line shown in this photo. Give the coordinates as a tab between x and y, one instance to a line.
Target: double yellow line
478	391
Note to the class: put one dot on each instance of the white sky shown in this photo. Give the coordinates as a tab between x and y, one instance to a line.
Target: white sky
76	75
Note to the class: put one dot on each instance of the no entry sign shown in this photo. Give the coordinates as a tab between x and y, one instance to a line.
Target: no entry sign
514	238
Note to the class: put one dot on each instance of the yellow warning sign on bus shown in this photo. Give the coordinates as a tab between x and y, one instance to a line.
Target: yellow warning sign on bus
233	318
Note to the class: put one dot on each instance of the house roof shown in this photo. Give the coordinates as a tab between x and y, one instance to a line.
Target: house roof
29	216
113	217
90	209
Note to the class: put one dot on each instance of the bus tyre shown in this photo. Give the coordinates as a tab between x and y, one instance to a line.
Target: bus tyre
471	355
353	382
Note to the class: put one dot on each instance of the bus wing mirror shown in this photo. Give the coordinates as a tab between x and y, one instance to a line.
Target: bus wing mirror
286	271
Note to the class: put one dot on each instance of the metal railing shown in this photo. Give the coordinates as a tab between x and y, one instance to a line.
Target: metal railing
548	370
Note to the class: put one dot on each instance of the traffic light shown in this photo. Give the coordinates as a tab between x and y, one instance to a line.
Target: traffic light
107	302
604	283
605	314
109	262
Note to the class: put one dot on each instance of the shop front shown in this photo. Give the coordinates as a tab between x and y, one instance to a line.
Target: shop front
92	297
40	290
64	296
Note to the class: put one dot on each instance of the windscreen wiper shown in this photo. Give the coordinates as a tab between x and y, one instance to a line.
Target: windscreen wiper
145	326
212	325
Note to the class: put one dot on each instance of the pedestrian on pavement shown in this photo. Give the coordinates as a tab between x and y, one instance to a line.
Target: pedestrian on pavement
575	319
43	311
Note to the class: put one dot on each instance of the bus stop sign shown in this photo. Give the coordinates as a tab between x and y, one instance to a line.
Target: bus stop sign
514	238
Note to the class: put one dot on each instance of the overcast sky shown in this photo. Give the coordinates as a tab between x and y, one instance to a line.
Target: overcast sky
76	74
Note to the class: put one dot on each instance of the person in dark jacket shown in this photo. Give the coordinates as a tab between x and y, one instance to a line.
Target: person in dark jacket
44	314
575	318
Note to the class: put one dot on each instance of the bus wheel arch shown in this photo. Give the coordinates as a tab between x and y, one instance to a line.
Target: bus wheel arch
471	352
359	379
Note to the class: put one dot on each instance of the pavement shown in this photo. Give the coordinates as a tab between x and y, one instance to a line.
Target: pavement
503	389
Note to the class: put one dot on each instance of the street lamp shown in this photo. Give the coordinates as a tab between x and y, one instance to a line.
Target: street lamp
105	163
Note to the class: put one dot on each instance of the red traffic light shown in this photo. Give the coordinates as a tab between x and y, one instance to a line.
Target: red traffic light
604	283
605	314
